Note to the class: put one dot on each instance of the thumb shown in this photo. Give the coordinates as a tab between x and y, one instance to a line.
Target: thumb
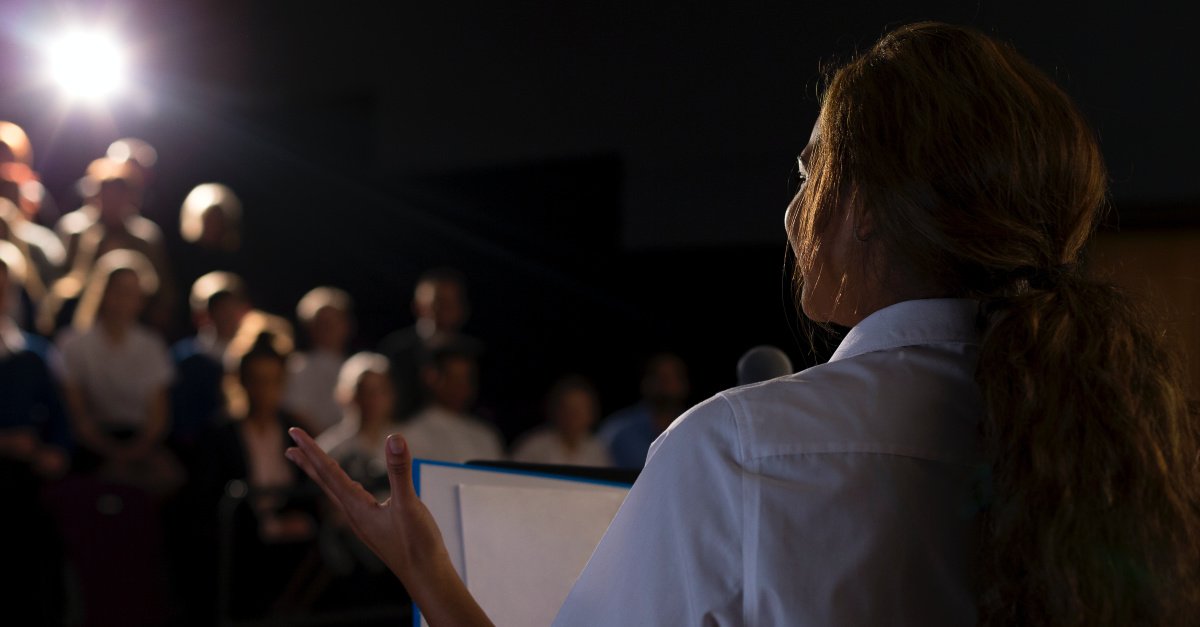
399	465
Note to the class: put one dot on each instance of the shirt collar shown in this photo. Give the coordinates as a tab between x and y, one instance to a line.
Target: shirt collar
912	322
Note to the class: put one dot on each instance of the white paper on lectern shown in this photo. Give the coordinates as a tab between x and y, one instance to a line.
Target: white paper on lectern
438	487
525	547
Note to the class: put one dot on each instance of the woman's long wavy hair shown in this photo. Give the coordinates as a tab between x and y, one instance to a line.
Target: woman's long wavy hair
984	181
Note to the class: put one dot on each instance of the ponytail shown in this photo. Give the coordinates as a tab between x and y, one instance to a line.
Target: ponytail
1095	518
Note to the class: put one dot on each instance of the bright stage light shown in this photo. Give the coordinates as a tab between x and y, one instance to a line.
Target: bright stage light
87	65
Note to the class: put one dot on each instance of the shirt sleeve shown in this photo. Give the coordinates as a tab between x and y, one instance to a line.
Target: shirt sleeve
673	554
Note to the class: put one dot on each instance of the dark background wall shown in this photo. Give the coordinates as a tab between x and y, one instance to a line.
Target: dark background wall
610	176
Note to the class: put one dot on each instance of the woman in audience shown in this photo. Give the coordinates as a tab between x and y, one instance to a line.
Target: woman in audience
365	391
572	408
240	461
325	314
115	376
998	440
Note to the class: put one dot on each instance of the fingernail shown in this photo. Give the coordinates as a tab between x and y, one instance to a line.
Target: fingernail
290	454
292	434
396	444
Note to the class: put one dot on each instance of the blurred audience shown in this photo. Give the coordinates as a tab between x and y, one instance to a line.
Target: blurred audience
443	430
572	407
630	431
441	308
325	315
116	374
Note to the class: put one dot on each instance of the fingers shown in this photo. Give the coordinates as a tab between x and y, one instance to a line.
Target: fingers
399	464
327	473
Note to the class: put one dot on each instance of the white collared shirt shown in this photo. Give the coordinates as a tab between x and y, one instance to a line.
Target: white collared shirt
840	495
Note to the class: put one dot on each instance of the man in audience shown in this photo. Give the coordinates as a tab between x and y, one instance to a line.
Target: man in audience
444	431
325	313
630	431
219	303
441	308
111	219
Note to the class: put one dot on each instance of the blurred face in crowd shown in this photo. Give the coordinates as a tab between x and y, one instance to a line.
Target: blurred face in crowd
574	413
330	329
212	229
264	378
123	299
666	381
116	199
442	303
226	312
453	382
375	397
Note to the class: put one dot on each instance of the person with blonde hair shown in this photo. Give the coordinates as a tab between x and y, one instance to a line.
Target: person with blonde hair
998	440
365	392
326	315
116	373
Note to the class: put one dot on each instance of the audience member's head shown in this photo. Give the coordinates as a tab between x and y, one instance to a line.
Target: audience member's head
665	382
572	407
14	145
211	217
12	277
451	378
137	153
218	301
117	192
117	290
326	314
365	388
262	372
440	302
762	363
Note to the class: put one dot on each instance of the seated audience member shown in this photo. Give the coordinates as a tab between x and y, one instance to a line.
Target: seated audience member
33	425
630	431
572	408
325	315
444	431
116	374
357	442
218	302
441	308
242	457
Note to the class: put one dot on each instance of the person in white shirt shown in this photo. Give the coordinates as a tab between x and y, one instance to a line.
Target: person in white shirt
443	430
368	401
572	408
325	313
997	441
115	374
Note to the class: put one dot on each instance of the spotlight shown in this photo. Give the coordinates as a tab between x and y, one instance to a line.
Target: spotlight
87	65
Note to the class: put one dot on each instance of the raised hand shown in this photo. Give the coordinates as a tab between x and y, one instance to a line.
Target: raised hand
400	531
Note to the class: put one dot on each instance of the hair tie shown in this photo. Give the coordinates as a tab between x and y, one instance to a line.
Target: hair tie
1044	278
